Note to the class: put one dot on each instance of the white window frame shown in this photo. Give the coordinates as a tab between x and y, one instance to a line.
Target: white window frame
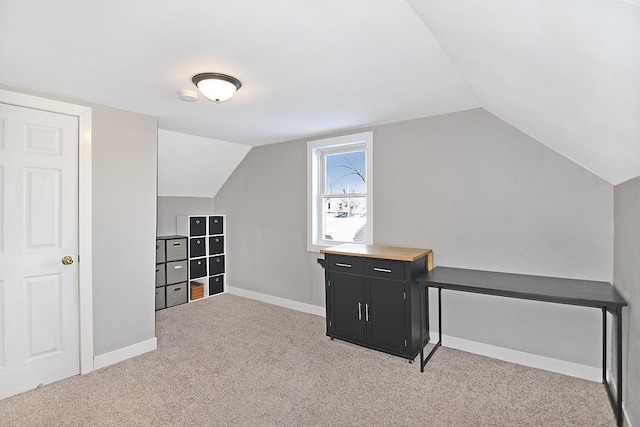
315	184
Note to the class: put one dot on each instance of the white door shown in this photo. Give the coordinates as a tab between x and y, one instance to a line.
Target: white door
39	324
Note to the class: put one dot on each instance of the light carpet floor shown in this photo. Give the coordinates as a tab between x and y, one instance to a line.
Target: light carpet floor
231	361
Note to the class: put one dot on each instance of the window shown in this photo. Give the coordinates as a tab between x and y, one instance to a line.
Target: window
340	179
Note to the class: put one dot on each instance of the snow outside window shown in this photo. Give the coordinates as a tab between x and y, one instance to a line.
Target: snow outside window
340	178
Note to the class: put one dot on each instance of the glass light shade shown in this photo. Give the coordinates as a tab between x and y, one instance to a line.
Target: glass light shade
217	87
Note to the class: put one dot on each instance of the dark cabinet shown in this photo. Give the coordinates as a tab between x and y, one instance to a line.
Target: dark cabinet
375	301
347	302
385	315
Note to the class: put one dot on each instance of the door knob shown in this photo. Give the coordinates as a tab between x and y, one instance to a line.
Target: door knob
67	260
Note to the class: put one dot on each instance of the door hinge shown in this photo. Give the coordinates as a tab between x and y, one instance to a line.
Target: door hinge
329	322
328	282
405	297
405	343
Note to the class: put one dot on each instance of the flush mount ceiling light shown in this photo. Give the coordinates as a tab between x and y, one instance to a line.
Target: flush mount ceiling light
216	87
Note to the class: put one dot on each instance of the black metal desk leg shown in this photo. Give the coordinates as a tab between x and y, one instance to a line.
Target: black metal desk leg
604	345
616	357
439	343
618	315
439	316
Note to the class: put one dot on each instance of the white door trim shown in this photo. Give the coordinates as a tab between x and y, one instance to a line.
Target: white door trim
85	291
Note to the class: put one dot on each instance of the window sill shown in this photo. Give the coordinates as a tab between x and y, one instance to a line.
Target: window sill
316	248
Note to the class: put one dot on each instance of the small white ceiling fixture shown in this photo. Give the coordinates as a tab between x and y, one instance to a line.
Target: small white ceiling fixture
188	95
216	87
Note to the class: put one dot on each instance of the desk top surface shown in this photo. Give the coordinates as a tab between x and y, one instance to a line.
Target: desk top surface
541	288
371	251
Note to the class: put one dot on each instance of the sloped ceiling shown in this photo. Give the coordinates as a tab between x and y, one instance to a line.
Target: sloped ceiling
563	71
566	72
193	166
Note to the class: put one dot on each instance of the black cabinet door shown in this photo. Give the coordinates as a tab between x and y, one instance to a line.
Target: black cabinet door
385	314
347	306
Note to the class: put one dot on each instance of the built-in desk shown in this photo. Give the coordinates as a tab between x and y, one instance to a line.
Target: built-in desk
585	293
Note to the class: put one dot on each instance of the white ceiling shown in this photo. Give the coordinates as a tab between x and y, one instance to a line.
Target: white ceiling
562	71
566	72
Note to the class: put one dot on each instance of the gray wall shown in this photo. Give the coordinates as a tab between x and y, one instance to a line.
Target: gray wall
124	163
170	207
476	190
626	278
124	226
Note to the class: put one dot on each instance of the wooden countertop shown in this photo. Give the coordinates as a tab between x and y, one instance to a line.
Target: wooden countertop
372	251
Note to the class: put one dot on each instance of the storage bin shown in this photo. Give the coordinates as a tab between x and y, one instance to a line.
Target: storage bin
197	226
216	265
176	272
197	290
216	225
176	249
216	245
197	247
216	284
176	294
161	278
198	268
160	251
160	298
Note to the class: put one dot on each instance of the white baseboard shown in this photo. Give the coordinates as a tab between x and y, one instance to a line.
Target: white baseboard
282	302
527	359
124	353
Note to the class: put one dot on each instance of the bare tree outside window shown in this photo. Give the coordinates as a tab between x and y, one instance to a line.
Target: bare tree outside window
345	207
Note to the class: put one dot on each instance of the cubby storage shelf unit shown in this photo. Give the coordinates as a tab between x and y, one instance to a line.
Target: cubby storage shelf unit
171	271
206	253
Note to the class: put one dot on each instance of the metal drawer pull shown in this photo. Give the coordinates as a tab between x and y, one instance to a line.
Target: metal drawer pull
366	308
177	267
339	264
382	270
177	244
359	310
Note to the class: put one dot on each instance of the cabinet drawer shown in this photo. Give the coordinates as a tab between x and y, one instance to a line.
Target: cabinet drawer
160	298
216	245
216	284
176	294
197	247
345	264
384	268
176	271
161	278
216	265
198	268
215	225
176	249
197	226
